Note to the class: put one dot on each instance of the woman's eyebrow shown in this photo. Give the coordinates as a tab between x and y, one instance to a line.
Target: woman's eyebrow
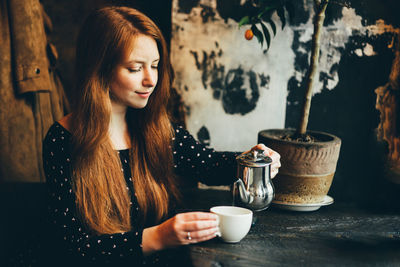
141	61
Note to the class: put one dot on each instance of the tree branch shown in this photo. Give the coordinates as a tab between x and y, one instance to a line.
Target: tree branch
314	62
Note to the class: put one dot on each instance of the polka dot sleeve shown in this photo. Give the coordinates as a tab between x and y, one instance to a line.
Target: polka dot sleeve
62	212
194	160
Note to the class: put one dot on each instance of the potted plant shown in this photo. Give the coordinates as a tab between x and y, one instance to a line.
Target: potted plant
308	158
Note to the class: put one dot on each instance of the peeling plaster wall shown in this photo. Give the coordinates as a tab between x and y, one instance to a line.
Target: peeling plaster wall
232	88
227	83
333	40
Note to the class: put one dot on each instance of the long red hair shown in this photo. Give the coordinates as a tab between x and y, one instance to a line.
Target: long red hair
102	199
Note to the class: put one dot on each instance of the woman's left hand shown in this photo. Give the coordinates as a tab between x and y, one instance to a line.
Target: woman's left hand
276	158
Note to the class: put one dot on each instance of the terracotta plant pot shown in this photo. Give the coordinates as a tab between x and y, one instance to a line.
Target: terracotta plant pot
307	169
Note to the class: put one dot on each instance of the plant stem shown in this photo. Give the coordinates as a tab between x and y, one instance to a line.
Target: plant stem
314	62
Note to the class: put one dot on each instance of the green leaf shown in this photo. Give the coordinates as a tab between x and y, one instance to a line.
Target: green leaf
281	14
258	34
273	26
268	15
244	20
266	34
268	9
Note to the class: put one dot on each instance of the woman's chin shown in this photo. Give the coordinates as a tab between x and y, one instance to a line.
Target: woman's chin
138	105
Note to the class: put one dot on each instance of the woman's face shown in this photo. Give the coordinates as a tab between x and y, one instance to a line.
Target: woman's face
136	77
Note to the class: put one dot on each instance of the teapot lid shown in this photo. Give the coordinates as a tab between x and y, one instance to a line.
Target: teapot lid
254	158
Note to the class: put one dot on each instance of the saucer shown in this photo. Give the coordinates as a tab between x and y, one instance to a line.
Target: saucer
303	207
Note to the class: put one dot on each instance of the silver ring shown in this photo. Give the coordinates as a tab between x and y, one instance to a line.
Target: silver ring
188	236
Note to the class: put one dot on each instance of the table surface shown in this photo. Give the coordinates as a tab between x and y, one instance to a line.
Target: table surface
341	234
337	235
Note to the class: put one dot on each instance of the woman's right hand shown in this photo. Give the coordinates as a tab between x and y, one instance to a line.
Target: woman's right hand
201	226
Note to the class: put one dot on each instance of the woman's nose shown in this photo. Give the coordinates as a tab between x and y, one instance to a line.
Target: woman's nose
150	78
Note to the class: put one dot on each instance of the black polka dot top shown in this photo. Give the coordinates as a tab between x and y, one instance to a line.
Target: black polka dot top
192	160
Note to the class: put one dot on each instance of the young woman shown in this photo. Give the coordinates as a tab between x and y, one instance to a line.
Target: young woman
111	165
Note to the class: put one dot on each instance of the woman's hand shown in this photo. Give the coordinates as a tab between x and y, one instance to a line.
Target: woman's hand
182	229
276	158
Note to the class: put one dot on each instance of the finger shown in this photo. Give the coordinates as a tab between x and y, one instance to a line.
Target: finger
259	146
267	151
205	238
272	153
248	151
276	162
198	216
194	226
276	159
274	172
202	235
276	165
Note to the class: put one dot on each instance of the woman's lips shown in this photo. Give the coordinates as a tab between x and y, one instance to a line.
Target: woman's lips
143	94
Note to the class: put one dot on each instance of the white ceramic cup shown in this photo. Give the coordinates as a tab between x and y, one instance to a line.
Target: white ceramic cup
234	222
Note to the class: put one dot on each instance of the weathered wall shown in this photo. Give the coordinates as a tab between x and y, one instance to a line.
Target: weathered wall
232	88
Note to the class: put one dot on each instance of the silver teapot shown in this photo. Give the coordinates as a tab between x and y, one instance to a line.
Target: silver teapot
253	188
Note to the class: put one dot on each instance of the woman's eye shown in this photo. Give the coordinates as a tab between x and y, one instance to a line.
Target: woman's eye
154	66
134	69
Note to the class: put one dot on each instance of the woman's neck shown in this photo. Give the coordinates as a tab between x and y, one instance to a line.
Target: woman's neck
118	129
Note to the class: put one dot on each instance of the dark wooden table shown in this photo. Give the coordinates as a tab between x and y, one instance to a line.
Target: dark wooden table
337	235
341	234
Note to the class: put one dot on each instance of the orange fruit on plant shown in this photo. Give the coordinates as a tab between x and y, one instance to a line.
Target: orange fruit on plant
248	34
